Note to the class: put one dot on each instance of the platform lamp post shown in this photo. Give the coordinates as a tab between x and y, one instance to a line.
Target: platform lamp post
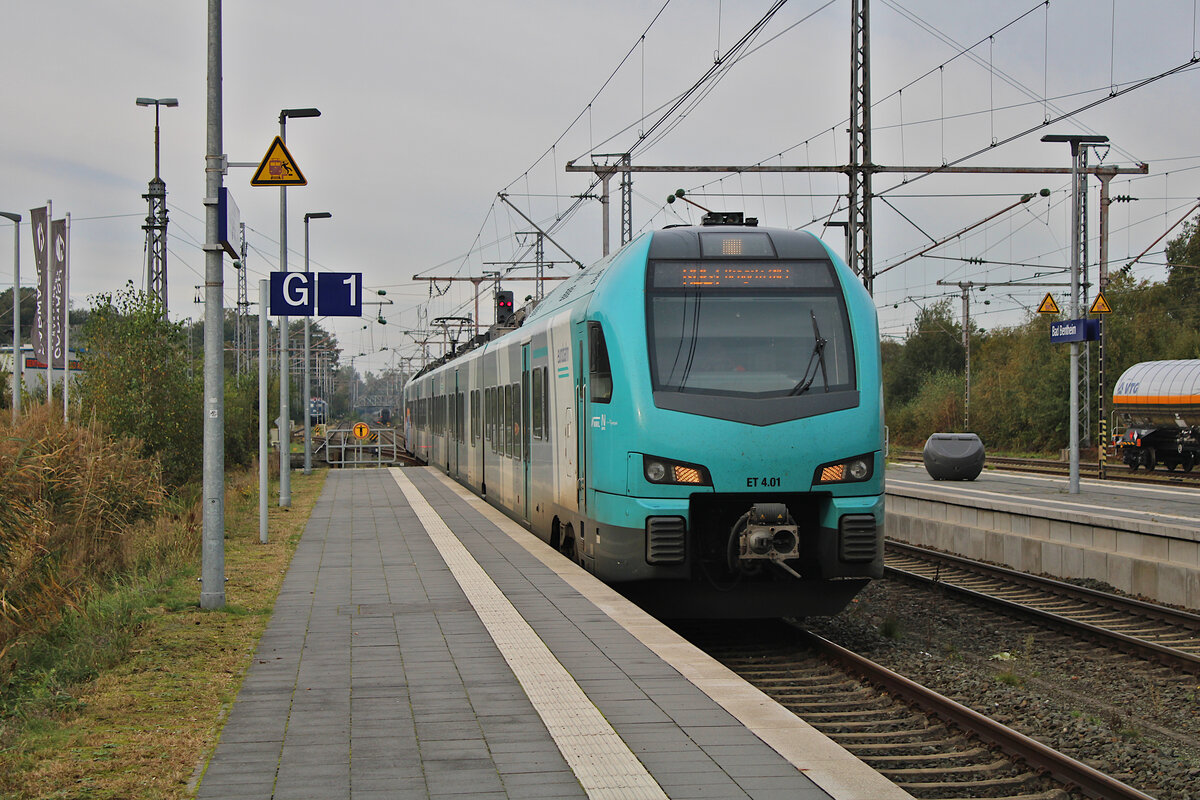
156	220
1075	140
16	381
285	414
308	354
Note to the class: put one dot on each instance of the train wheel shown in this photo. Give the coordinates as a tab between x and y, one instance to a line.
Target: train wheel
1188	462
1150	461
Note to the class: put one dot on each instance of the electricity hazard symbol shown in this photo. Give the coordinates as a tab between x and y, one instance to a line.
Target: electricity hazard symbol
278	168
1100	306
361	430
1048	305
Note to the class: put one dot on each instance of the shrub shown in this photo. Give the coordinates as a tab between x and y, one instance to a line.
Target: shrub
136	381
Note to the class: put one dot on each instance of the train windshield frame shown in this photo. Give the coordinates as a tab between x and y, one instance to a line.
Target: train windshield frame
740	339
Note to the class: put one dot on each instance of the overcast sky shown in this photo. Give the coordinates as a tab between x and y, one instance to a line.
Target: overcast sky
430	109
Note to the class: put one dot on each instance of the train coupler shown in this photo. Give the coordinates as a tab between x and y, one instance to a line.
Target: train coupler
765	534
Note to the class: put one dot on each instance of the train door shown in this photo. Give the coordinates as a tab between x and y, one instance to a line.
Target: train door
581	420
452	429
526	408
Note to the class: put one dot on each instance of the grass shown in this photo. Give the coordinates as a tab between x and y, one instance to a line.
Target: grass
890	628
130	691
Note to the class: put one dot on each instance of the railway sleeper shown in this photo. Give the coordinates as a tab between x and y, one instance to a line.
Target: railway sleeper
820	699
906	749
993	786
835	727
876	708
916	758
967	772
848	739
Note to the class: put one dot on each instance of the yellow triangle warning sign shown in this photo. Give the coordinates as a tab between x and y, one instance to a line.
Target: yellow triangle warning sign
278	168
1100	306
1048	305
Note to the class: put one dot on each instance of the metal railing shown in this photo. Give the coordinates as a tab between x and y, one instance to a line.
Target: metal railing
343	448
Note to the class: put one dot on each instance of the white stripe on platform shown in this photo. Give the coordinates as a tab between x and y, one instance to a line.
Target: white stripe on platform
602	762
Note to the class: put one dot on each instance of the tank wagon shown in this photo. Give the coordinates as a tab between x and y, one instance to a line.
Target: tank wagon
1158	405
696	419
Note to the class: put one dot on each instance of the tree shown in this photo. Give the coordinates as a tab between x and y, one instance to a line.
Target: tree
28	310
136	380
1183	274
934	344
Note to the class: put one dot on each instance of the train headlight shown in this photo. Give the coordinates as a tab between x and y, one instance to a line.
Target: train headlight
663	471
655	471
859	469
848	470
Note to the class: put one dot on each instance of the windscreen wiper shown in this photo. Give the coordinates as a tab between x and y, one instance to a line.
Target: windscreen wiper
815	360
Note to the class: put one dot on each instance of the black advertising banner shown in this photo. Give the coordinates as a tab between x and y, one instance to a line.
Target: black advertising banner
41	239
58	292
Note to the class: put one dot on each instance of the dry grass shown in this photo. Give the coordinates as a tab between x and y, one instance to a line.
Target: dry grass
70	499
139	729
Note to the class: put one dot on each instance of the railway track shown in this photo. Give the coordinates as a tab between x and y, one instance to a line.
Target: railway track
929	745
1115	470
1154	632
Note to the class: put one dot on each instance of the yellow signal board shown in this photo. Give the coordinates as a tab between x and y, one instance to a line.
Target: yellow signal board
278	168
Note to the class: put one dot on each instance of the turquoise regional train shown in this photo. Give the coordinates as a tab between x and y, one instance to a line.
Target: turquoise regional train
696	419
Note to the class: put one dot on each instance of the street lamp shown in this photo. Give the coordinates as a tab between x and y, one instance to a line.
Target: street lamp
285	415
1075	140
308	354
156	219
16	383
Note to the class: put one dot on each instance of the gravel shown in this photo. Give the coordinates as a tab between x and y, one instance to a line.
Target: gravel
1136	721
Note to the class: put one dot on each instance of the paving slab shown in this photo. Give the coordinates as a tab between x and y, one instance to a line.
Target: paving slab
384	672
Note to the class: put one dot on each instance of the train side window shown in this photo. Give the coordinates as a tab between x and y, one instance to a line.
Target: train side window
538	391
515	432
599	371
507	435
462	417
492	421
546	402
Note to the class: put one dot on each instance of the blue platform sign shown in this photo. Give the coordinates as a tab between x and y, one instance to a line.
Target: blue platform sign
339	294
293	294
305	294
1074	330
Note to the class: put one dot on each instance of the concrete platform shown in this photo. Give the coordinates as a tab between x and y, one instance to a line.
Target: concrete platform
425	646
1141	539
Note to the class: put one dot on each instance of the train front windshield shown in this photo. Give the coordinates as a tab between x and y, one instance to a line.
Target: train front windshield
754	329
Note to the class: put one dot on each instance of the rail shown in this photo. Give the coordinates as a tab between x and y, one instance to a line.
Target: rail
1176	641
1037	755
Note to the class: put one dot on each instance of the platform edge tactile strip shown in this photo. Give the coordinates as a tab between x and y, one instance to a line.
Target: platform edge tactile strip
600	759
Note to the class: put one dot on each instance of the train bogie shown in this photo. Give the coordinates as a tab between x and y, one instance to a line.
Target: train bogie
697	420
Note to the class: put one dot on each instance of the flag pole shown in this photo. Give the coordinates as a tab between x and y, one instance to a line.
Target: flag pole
66	337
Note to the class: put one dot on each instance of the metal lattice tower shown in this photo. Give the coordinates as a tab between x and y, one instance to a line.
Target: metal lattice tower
539	254
241	320
156	241
1085	361
860	167
156	218
626	202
